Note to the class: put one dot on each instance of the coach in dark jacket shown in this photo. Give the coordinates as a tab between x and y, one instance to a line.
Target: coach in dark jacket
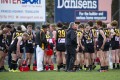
71	44
41	37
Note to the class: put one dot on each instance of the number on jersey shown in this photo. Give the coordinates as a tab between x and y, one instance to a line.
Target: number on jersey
61	33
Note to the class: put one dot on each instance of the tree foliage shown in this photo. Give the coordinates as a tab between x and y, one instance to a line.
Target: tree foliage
50	11
115	9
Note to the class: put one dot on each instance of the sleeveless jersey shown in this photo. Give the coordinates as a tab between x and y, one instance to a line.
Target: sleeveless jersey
61	34
88	38
94	32
30	40
49	37
107	34
18	33
13	45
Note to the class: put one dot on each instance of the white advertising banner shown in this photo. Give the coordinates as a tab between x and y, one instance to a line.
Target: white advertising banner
22	11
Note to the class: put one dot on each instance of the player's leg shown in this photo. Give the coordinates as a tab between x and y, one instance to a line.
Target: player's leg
87	58
1	59
117	58
63	59
58	59
81	60
14	62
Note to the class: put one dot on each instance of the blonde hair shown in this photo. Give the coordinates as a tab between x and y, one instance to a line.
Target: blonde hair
25	34
53	26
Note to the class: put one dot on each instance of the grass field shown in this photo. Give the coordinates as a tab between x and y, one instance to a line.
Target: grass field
53	75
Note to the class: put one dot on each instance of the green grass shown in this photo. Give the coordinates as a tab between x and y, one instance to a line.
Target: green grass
53	75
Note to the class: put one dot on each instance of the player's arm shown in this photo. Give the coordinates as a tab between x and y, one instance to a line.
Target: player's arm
33	40
13	36
54	35
94	39
1	32
112	33
18	44
104	38
78	42
81	41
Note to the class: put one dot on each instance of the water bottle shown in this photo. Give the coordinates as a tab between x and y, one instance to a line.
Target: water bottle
37	49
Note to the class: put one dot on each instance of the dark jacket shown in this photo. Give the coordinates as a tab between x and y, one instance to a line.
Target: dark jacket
40	38
71	38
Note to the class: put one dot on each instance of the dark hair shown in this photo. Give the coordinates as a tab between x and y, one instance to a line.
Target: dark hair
104	25
29	26
77	22
90	23
38	27
64	27
59	24
2	26
47	24
94	26
44	26
8	26
19	28
99	22
114	23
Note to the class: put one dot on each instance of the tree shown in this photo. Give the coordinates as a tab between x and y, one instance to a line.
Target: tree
50	11
115	10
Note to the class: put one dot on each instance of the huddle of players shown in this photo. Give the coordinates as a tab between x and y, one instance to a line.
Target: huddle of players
14	45
12	42
20	40
94	40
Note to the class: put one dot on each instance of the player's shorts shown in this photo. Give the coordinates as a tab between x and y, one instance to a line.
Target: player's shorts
21	50
99	45
107	46
60	47
114	45
80	49
119	44
11	49
89	48
29	49
51	46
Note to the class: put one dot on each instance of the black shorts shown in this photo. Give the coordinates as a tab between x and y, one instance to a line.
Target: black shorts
114	45
106	46
89	48
119	46
10	50
21	50
29	50
99	45
60	47
80	49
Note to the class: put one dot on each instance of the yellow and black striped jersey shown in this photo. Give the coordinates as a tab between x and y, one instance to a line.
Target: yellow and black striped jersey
61	34
117	32
94	32
107	32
